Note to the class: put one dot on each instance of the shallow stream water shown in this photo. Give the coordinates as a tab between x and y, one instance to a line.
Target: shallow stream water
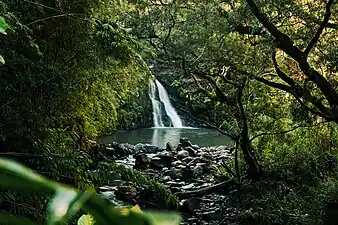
160	136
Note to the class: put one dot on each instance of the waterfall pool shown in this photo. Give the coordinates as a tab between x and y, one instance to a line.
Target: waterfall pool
161	135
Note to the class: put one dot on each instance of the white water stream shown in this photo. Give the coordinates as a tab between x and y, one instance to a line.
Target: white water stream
169	109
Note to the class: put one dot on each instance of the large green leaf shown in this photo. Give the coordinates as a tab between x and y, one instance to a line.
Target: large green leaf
2	60
60	205
66	203
3	26
14	174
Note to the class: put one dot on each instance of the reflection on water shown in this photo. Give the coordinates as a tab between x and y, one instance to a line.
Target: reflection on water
161	136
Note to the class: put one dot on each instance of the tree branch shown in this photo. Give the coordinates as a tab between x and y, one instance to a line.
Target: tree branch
284	42
275	85
320	30
220	94
280	73
286	131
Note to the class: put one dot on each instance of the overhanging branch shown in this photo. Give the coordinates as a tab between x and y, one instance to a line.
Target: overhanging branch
321	28
286	131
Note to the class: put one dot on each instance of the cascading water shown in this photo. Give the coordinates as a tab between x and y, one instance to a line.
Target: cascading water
157	116
169	109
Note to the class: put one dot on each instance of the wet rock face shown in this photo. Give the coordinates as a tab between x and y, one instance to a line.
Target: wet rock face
186	168
142	161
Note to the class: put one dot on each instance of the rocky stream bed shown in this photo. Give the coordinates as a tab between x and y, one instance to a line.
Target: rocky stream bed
189	171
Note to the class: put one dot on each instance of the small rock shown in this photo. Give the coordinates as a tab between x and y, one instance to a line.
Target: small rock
126	192
191	204
142	161
165	153
192	152
224	156
161	162
185	142
175	189
182	154
202	159
181	167
175	183
146	148
122	150
187	187
166	179
173	173
201	164
213	215
169	147
165	169
187	174
196	147
198	171
187	159
176	163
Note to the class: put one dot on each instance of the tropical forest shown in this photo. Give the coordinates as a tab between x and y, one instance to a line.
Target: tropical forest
169	112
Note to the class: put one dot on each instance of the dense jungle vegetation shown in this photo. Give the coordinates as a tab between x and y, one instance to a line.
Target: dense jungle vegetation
261	72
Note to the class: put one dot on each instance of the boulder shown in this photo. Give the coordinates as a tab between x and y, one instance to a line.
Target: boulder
196	147
169	147
215	214
162	159
122	150
190	205
182	154
173	173
160	163
192	152
184	142
126	192
165	179
187	160
198	171
142	161
187	174
176	163
146	148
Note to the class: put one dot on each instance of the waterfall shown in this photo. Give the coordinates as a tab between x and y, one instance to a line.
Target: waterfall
171	112
169	109
157	116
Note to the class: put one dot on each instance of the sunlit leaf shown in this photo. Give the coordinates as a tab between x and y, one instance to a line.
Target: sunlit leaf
159	218
136	209
2	60
3	26
125	211
64	201
86	220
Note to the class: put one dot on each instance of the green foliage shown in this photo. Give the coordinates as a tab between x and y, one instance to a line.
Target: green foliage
60	88
59	82
160	194
3	27
66	201
300	180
